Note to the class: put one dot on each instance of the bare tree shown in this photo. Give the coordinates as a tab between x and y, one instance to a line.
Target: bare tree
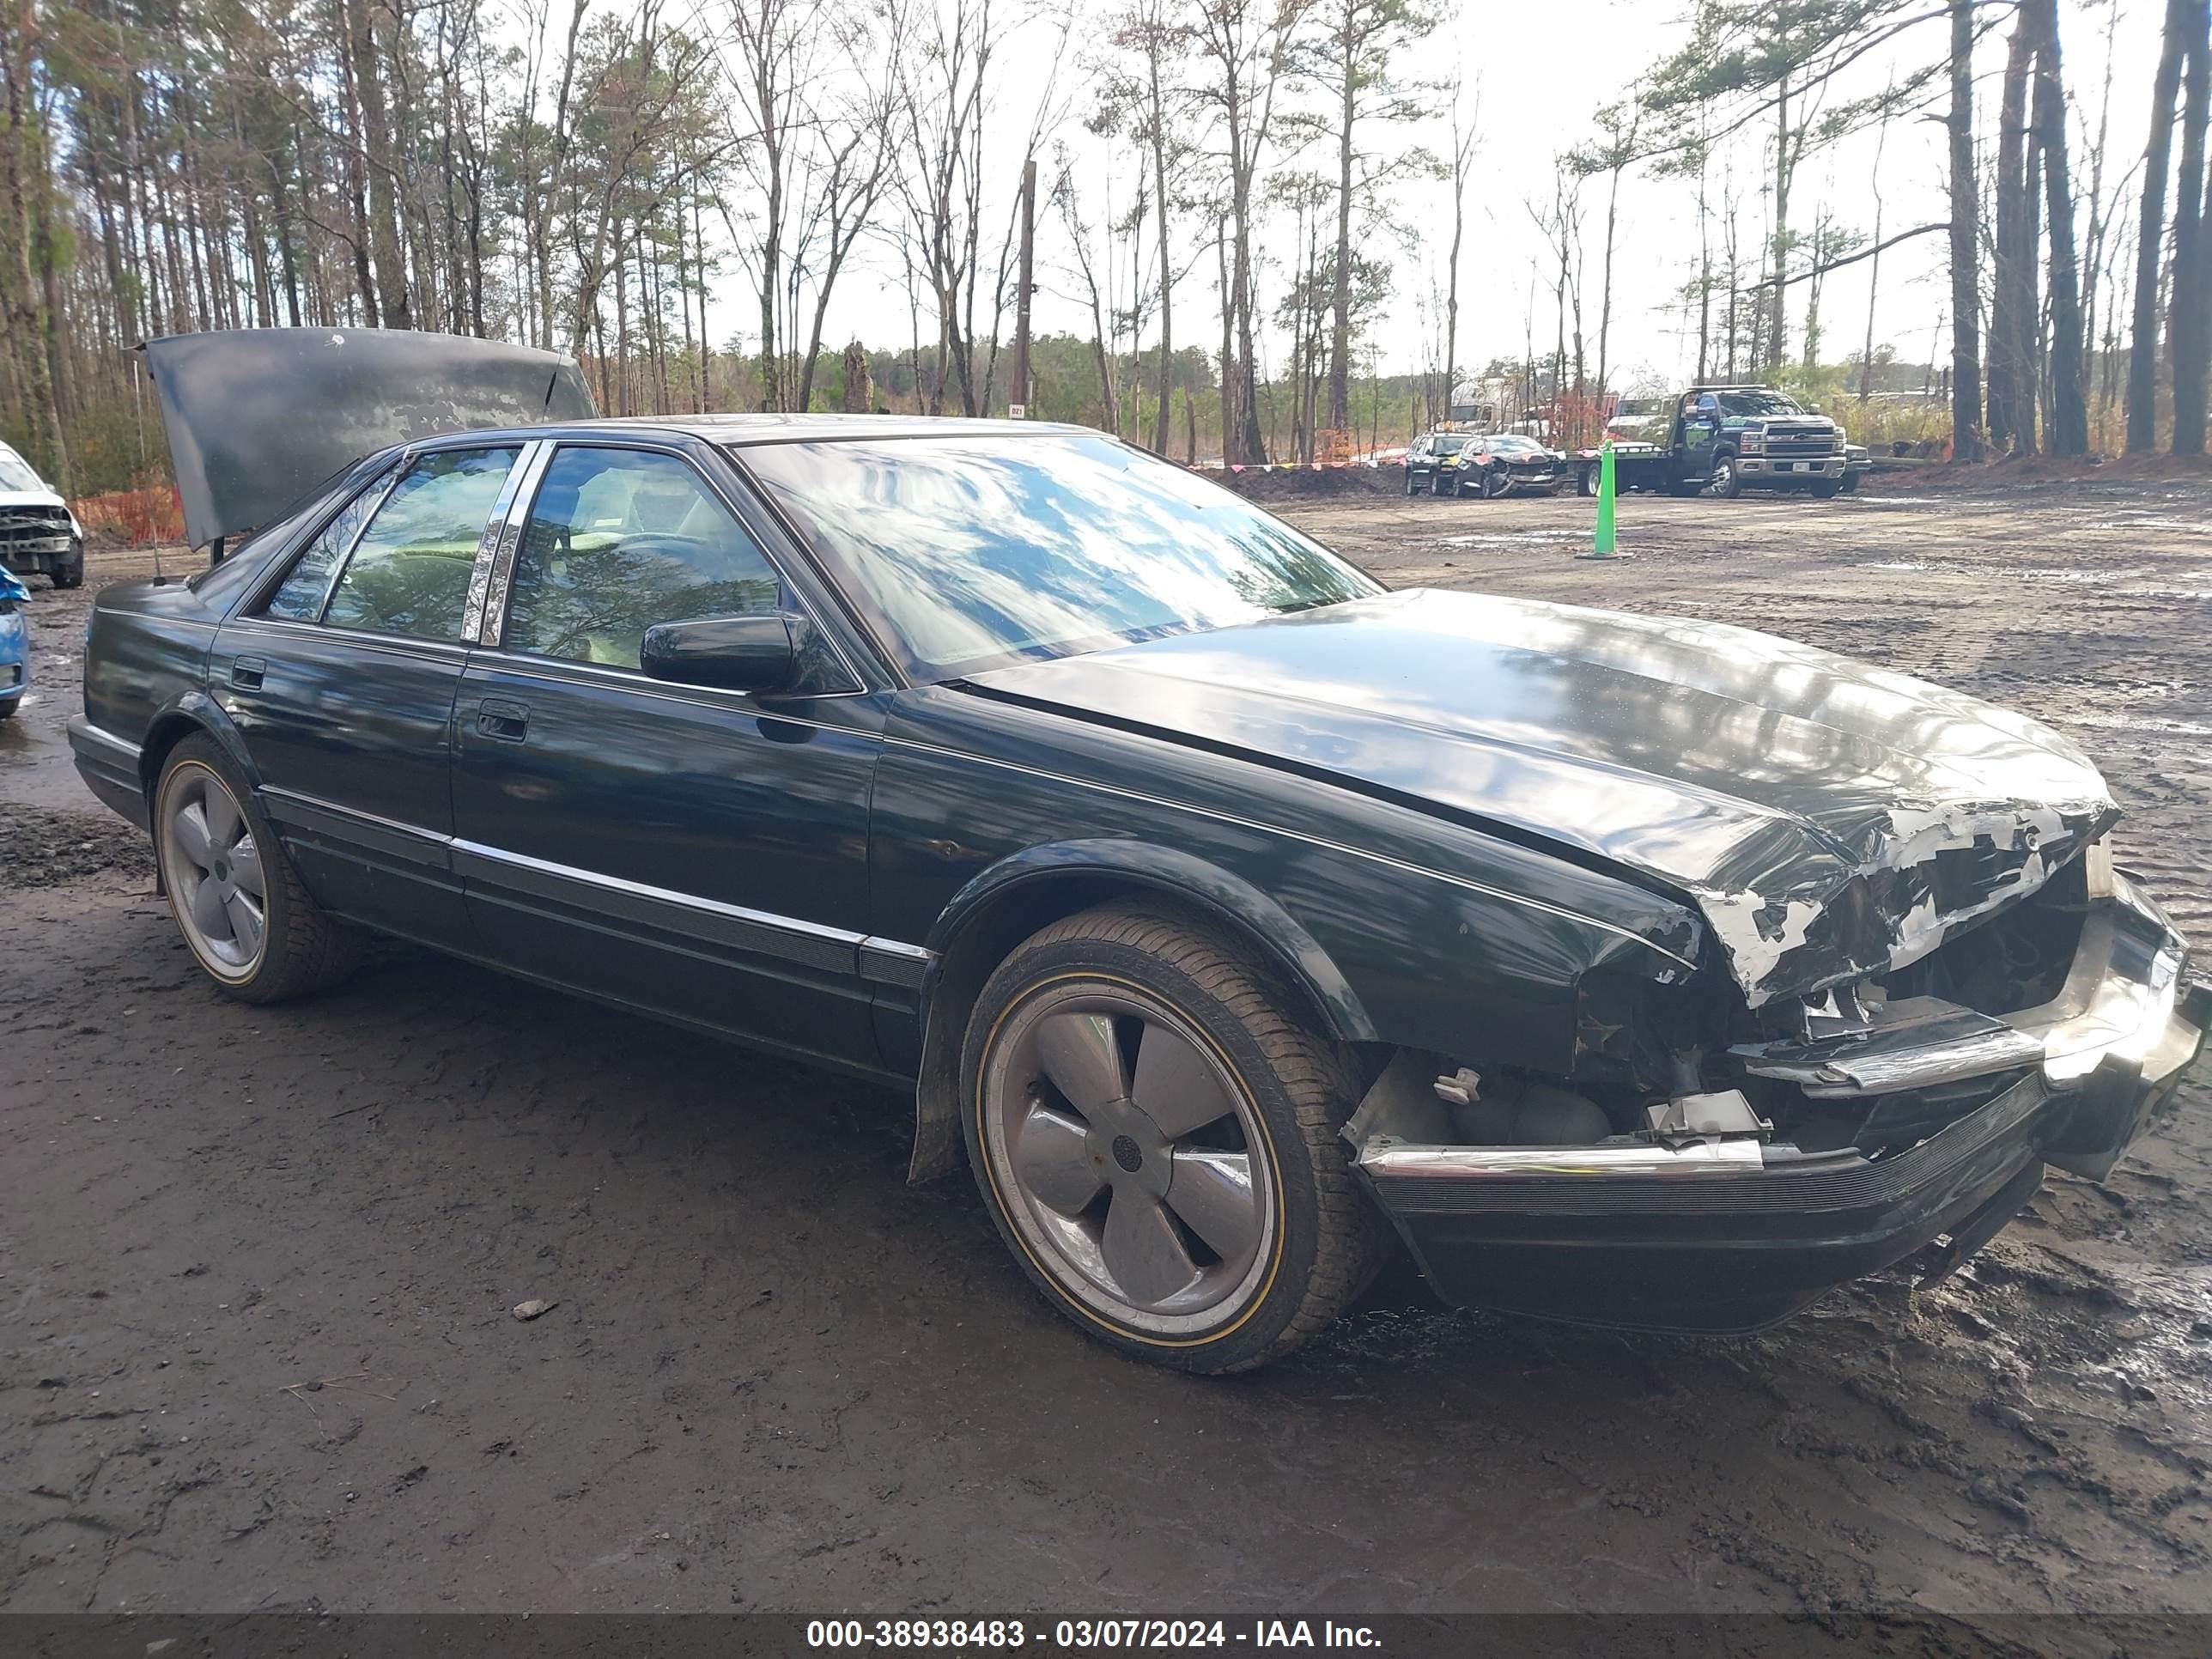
1247	51
1351	56
2143	353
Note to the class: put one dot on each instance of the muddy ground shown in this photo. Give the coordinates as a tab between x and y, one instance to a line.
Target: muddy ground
256	1264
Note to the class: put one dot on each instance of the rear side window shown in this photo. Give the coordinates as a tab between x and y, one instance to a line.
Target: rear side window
409	571
299	598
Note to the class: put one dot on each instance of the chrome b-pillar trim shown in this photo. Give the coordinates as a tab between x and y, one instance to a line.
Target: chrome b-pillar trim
481	622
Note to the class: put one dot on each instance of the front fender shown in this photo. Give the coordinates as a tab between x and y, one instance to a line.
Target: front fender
1036	885
1173	873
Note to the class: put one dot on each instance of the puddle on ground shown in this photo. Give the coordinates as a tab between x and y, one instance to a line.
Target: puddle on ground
2164	727
1510	538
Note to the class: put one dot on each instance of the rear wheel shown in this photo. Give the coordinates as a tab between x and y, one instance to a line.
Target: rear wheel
234	894
1155	1134
1586	481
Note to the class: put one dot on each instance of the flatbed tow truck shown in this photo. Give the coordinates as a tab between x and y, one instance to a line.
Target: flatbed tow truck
1728	439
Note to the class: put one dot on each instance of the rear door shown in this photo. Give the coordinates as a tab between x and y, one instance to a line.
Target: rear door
342	682
694	852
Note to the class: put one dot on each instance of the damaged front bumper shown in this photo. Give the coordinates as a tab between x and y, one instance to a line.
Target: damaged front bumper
1731	1234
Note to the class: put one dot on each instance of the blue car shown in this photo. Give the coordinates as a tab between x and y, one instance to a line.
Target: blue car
14	645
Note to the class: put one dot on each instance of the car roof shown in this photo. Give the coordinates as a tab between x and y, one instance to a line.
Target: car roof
770	428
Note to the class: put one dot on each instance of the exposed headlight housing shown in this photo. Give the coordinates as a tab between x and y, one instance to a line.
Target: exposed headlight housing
1751	443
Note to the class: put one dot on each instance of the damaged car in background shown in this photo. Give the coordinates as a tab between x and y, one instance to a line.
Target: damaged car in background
38	534
1231	919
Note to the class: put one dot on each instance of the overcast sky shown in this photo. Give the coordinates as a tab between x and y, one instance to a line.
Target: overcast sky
1540	69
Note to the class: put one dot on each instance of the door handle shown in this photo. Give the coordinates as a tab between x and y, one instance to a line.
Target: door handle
246	673
507	722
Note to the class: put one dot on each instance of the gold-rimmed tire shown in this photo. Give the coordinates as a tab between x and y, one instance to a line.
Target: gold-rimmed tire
241	909
1155	1135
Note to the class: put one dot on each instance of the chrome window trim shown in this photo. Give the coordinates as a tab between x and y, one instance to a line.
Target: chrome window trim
491	613
637	680
497	540
494	633
416	643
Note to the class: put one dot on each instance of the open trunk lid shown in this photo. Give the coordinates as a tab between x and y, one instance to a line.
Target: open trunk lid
258	417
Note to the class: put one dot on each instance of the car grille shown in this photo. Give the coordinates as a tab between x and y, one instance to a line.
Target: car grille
1796	444
32	529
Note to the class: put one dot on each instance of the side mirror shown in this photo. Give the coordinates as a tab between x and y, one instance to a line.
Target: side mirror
734	653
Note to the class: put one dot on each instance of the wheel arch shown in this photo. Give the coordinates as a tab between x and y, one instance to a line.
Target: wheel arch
1040	885
190	714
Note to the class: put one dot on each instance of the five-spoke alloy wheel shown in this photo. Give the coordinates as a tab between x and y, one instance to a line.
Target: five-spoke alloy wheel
1156	1136
216	876
236	899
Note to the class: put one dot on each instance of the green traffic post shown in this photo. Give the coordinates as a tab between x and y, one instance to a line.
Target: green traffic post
1603	546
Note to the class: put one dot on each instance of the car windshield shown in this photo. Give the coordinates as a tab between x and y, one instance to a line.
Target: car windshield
15	473
972	551
1511	444
1449	445
1757	400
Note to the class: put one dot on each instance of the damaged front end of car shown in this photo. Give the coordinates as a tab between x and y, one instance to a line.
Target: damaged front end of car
1725	1150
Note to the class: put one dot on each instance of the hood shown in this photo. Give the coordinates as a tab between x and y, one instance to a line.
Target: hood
258	417
1831	820
47	499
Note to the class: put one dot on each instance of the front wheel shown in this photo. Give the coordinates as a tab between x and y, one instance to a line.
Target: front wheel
236	900
1409	481
1825	488
7	708
1497	484
1155	1134
70	573
1728	482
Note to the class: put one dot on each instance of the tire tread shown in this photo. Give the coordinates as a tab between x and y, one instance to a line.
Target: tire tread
1354	1240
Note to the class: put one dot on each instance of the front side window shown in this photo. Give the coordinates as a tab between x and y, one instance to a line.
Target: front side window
408	573
618	540
972	552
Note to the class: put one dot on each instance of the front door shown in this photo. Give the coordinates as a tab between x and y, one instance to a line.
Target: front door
692	851
342	682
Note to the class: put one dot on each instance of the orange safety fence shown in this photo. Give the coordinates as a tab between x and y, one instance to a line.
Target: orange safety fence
137	518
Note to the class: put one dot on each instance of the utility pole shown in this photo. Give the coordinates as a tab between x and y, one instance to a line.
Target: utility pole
1019	403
